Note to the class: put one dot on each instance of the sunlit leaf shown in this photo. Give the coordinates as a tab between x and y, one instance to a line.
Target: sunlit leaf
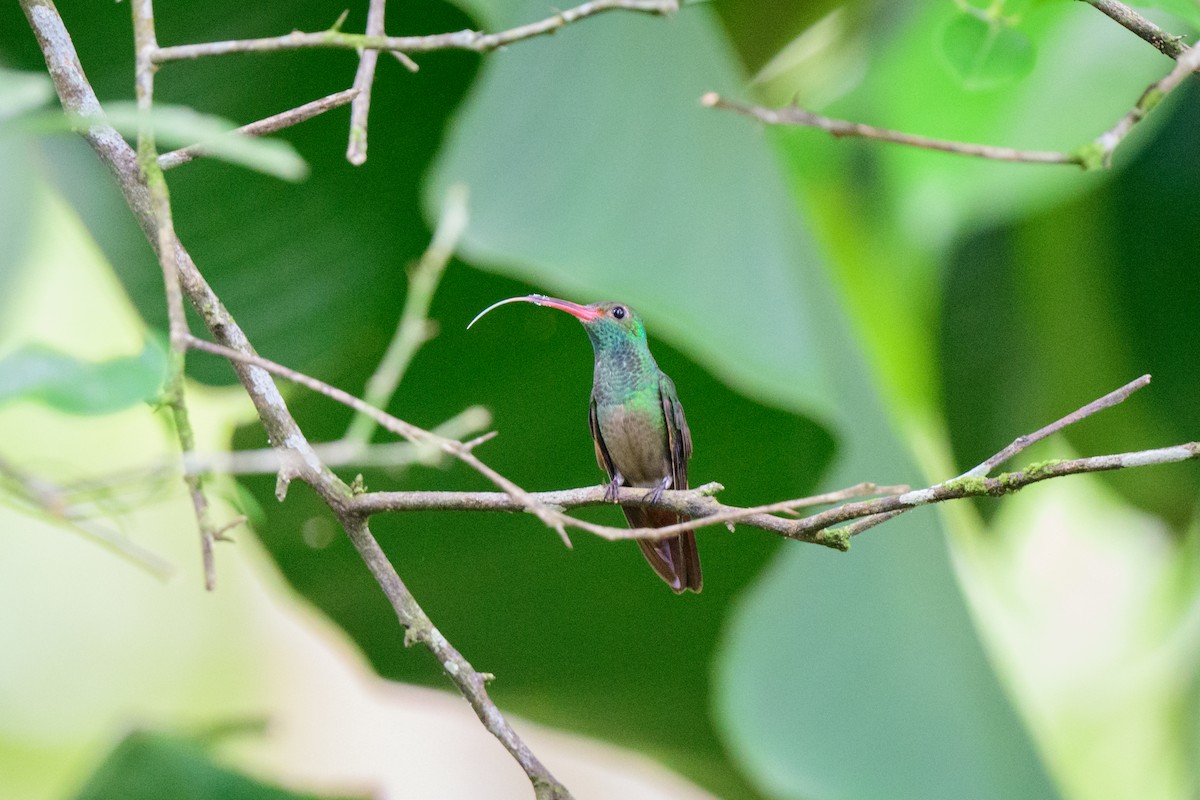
23	91
68	384
180	126
985	53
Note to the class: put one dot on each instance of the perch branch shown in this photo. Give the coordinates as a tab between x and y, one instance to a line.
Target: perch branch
263	127
459	40
816	529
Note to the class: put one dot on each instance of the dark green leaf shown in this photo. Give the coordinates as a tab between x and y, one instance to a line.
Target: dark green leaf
154	766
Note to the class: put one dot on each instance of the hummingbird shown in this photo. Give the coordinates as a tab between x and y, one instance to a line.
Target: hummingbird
638	428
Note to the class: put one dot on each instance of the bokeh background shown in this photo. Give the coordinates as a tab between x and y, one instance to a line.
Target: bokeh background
832	311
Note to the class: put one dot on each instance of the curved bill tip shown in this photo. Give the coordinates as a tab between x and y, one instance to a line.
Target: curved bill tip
574	309
532	298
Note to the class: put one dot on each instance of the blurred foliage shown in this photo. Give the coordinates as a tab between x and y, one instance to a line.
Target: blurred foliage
44	375
985	52
157	766
831	311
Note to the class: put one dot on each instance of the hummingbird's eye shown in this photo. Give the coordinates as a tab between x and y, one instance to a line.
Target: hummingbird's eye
619	312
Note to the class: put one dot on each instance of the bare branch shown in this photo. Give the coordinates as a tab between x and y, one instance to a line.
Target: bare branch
78	98
164	232
263	127
356	149
459	40
1107	142
793	115
1166	43
471	683
462	452
816	529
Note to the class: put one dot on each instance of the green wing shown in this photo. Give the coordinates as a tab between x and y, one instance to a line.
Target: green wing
679	438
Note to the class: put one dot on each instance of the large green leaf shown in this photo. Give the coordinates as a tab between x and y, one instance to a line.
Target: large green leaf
861	675
673	208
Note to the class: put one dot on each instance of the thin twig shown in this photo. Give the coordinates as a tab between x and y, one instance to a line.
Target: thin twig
262	127
1096	154
356	149
414	328
343	453
51	501
1019	445
1166	43
173	390
1023	442
459	450
1107	142
793	115
459	40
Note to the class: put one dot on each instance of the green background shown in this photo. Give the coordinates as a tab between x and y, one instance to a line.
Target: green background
830	311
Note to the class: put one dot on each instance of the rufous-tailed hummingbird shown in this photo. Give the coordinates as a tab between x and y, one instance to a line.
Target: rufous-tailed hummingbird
638	427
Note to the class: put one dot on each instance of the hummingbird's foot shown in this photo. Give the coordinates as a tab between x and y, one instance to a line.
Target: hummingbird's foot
655	494
610	493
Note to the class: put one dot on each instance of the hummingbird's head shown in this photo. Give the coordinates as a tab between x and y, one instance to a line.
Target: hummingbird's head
612	324
609	324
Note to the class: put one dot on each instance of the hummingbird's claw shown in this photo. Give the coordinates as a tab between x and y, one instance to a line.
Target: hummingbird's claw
655	494
613	488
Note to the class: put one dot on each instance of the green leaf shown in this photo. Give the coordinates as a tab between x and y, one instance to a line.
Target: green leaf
985	53
180	126
861	674
675	209
73	386
155	766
